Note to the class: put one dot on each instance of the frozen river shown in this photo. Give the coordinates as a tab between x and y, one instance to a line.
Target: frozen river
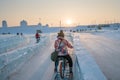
106	52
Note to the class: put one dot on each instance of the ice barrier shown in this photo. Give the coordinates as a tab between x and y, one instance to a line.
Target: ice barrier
12	42
11	62
86	67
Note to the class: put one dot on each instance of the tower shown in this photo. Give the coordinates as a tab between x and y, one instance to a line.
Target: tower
23	23
4	24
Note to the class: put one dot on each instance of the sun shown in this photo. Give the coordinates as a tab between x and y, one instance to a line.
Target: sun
68	22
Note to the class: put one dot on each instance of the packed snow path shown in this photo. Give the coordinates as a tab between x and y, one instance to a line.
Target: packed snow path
106	52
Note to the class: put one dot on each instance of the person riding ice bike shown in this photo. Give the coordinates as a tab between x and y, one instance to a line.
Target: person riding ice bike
61	45
37	36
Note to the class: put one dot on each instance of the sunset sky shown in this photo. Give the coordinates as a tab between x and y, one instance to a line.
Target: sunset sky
69	12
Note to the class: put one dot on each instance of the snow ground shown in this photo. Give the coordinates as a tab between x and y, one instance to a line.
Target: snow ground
115	34
104	47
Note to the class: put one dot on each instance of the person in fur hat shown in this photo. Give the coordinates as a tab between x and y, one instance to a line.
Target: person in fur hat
61	45
61	32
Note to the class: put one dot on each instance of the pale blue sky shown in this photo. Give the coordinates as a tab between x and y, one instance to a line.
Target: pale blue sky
52	11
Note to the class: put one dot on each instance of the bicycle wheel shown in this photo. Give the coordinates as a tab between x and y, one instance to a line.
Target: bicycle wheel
61	70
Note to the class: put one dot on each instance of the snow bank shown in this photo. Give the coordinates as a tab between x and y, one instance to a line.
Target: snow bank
86	65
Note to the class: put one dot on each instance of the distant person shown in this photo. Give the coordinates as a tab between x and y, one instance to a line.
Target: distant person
17	33
37	36
21	34
61	45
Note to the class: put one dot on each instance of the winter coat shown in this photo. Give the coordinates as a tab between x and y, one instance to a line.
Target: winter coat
37	35
61	46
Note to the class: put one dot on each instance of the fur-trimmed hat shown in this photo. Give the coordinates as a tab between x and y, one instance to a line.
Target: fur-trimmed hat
60	34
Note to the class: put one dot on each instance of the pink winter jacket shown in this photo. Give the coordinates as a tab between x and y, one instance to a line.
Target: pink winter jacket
62	47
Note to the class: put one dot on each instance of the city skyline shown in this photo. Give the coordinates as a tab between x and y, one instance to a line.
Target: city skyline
59	12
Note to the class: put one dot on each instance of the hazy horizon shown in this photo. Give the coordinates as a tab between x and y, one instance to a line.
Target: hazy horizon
69	12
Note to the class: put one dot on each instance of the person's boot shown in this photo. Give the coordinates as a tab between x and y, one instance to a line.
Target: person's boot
55	70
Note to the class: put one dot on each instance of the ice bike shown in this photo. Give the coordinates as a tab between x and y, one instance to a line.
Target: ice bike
37	40
63	69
